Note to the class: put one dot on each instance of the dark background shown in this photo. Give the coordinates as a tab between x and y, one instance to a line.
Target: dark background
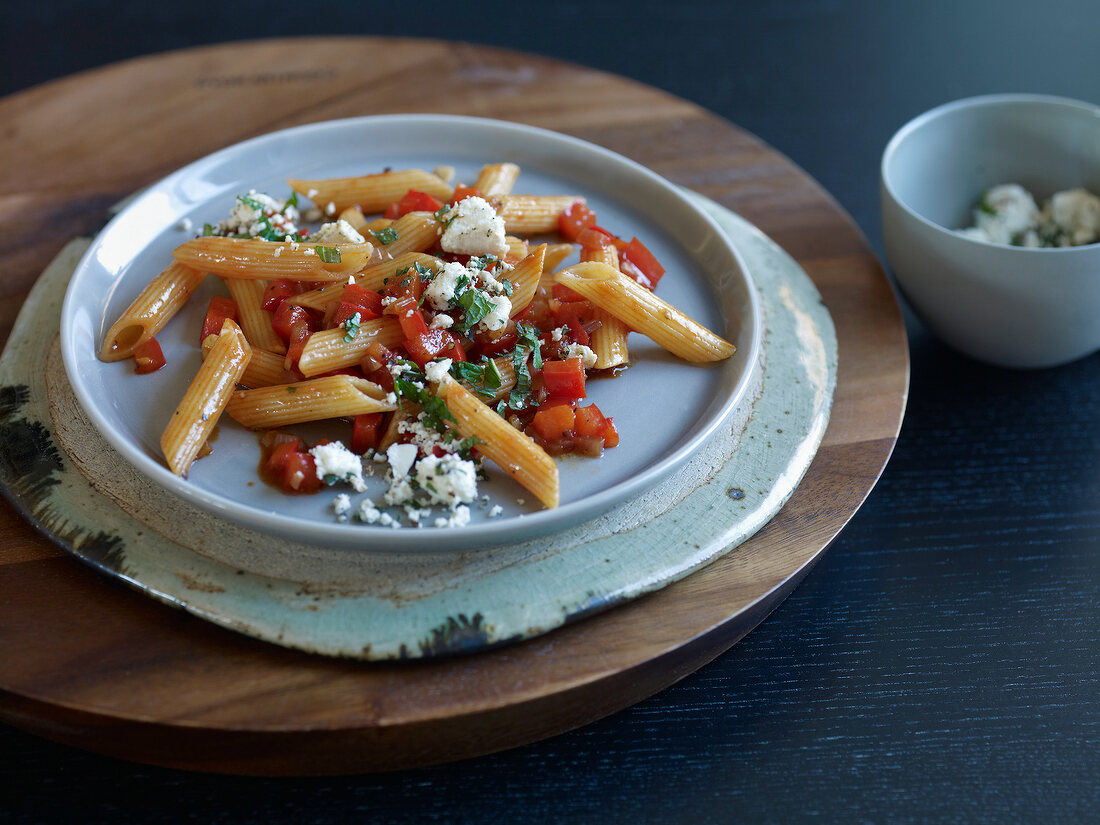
940	663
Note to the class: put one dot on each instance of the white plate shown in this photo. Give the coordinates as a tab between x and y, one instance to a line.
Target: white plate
664	409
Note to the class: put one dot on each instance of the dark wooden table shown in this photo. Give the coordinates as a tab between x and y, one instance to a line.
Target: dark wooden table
940	663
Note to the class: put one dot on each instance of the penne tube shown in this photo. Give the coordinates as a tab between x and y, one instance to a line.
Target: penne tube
329	349
518	249
249	258
205	399
264	368
511	450
333	396
532	214
608	341
150	311
371	193
354	216
375	276
644	312
320	297
496	179
412	232
406	411
525	279
254	320
556	253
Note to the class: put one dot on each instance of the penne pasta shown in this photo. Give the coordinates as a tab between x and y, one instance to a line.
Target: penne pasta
644	312
330	349
371	193
333	396
525	279
511	450
412	232
254	320
354	216
150	311
534	214
264	368
608	341
251	258
496	179
205	399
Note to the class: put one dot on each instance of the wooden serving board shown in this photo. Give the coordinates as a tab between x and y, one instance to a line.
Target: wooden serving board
85	661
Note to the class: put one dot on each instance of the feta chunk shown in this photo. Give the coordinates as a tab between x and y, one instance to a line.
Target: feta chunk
339	232
440	291
498	315
587	356
474	229
335	462
449	480
436	371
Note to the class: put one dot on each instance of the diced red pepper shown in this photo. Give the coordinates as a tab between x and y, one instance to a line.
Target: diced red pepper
564	379
590	422
565	294
417	201
277	292
463	192
431	344
591	237
217	312
409	316
635	254
286	317
553	422
277	458
393	212
300	474
576	217
300	332
574	315
355	299
365	430
148	357
406	285
611	435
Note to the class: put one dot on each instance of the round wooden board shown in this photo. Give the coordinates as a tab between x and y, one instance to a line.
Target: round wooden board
85	661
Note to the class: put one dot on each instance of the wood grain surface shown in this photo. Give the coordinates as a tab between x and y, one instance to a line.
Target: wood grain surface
85	661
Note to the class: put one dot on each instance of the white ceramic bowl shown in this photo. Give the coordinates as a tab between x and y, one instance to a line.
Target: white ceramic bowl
1011	306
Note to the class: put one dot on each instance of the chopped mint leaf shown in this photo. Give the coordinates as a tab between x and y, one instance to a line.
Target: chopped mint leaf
385	236
328	254
351	328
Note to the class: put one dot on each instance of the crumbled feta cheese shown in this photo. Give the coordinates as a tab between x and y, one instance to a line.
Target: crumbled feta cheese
1007	214
498	316
440	291
1074	216
448	480
459	518
474	229
436	371
330	208
441	321
257	213
587	356
335	462
401	458
557	333
495	511
341	506
184	225
311	194
338	232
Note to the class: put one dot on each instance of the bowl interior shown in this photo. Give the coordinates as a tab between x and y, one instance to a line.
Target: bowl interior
939	164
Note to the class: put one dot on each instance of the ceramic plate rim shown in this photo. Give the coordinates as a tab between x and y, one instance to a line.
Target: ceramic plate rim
367	537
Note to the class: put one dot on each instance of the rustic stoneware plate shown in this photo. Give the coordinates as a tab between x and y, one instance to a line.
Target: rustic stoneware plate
664	409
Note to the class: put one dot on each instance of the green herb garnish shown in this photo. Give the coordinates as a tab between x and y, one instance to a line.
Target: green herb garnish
385	236
351	328
328	254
